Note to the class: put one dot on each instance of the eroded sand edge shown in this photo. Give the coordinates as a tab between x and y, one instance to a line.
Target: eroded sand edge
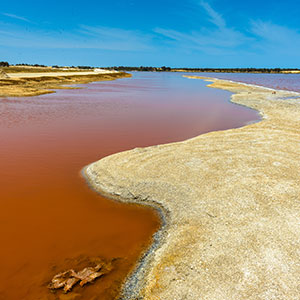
230	201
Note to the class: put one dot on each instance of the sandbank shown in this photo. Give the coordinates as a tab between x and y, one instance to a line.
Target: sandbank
229	202
37	83
51	74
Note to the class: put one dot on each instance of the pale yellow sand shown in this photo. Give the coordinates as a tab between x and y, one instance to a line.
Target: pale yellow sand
51	74
231	201
291	72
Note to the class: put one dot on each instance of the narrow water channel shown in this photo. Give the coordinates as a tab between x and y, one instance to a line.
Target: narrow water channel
50	220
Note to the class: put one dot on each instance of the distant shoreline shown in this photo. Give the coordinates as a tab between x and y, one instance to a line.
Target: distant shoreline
41	68
250	71
209	70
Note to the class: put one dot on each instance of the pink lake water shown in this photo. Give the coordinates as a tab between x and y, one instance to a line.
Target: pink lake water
50	220
290	82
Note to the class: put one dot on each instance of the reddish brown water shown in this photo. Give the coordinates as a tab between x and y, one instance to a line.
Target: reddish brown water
49	219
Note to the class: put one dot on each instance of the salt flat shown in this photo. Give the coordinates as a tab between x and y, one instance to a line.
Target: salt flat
230	204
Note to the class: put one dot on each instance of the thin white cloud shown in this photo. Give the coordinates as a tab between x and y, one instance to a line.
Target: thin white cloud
121	38
16	17
85	37
276	38
215	17
275	33
209	40
225	38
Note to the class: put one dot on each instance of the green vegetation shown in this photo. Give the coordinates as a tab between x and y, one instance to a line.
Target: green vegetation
204	70
85	68
236	70
141	68
31	65
4	64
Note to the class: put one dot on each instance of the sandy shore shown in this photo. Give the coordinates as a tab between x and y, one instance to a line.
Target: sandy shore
33	84
229	201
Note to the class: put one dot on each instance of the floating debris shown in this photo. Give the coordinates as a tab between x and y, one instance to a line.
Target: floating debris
68	279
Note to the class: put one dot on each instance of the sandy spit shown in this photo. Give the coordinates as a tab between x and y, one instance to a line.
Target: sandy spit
51	74
230	202
23	84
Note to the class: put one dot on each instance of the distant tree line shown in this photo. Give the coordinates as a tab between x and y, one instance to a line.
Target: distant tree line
167	69
141	68
73	67
213	70
236	70
4	64
31	65
55	66
85	67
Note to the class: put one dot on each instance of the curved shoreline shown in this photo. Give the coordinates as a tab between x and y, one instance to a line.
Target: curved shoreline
134	281
173	268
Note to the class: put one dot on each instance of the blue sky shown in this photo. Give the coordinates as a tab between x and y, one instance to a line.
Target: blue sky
191	33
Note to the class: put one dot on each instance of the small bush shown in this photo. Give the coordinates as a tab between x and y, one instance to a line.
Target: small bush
4	64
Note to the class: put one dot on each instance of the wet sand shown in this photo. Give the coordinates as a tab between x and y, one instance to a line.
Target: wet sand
230	201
